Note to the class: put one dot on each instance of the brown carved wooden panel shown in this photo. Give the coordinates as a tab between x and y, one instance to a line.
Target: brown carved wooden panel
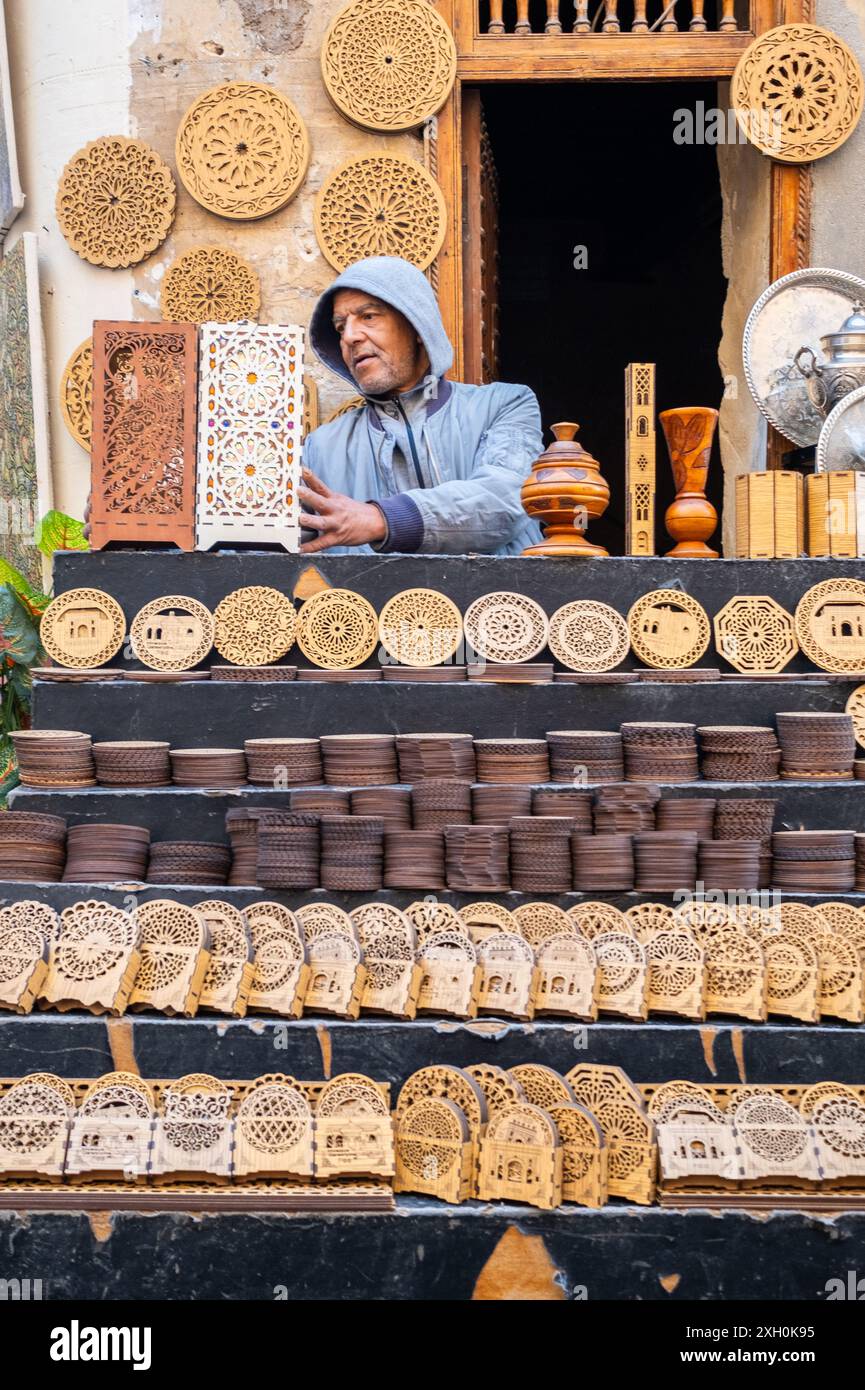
144	433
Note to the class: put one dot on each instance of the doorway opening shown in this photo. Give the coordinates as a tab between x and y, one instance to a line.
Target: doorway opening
609	252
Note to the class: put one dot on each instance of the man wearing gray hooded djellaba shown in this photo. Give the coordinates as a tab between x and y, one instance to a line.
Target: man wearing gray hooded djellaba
426	464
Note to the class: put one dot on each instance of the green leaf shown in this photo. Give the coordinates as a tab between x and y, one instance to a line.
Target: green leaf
19	635
10	575
57	531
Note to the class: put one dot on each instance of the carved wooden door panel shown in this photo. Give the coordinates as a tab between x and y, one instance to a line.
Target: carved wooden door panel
480	245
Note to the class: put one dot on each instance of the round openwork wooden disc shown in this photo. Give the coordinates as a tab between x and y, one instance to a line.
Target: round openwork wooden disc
388	64
254	626
242	150
506	627
797	92
76	394
337	629
354	403
210	284
830	624
83	628
669	629
420	627
380	205
856	709
172	633
588	636
115	202
755	634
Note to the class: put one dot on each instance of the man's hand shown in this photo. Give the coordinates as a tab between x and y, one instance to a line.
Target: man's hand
338	519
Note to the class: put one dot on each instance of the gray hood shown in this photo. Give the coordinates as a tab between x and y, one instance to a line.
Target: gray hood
398	283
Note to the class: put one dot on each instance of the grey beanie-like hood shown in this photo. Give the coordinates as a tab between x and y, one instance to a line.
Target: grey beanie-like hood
398	283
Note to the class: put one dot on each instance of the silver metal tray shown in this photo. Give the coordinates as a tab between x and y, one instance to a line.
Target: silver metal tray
842	439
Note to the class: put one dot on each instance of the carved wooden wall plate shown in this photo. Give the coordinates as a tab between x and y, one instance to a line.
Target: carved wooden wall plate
210	284
250	416
621	986
855	707
774	1140
273	1131
280	970
755	634
675	974
584	1155
193	1132
451	978
669	629
83	629
76	394
506	627
94	963
35	1114
507	975
115	202
830	624
173	943
792	977
228	981
242	150
143	444
23	967
337	629
388	65
172	633
112	1129
609	1095
797	92
420	627
354	1131
589	636
567	976
254	626
389	944
336	974
434	1150
521	1157
380	205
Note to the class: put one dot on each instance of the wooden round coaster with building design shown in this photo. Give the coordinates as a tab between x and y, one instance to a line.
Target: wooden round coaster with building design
83	628
669	629
115	202
337	629
76	394
506	627
172	633
242	150
254	626
210	284
380	205
855	707
755	634
830	624
797	92
420	627
588	636
388	64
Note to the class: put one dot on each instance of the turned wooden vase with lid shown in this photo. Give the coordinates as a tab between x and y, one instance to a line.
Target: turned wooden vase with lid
564	491
691	518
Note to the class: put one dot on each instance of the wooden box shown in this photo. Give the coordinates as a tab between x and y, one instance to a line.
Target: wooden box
770	516
836	514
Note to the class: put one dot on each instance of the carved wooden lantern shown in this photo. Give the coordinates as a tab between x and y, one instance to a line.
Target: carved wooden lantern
564	492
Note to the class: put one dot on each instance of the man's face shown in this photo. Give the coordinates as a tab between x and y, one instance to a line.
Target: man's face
378	344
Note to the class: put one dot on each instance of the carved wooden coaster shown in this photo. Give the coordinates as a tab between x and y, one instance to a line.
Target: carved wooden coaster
389	944
584	1156
192	1135
537	921
94	964
797	92
242	150
508	976
609	1095
83	628
420	627
567	977
434	1150
450	1083
115	201
143	446
111	1130
35	1114
174	958
755	634
542	1085
792	977
621	987
388	64
280	972
380	205
588	636
675	974
23	967
337	976
172	633
228	981
210	284
354	1131
830	624
520	1157
76	394
273	1131
855	707
669	629
337	629
254	626
451	977
35	916
506	627
498	1086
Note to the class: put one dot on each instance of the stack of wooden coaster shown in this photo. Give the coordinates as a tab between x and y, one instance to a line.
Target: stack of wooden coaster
816	746
602	863
322	800
449	756
512	760
208	767
585	755
496	805
319	673
425	674
860	863
688	813
563	801
414	859
32	847
242	828
359	760
289	850
478	858
106	854
286	762
665	860
660	751
393	804
748	818
814	861
541	854
739	753
352	853
438	802
54	758
253	673
132	764
623	808
188	861
727	865
512	672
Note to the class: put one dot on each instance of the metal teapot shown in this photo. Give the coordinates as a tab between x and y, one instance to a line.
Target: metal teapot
844	369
